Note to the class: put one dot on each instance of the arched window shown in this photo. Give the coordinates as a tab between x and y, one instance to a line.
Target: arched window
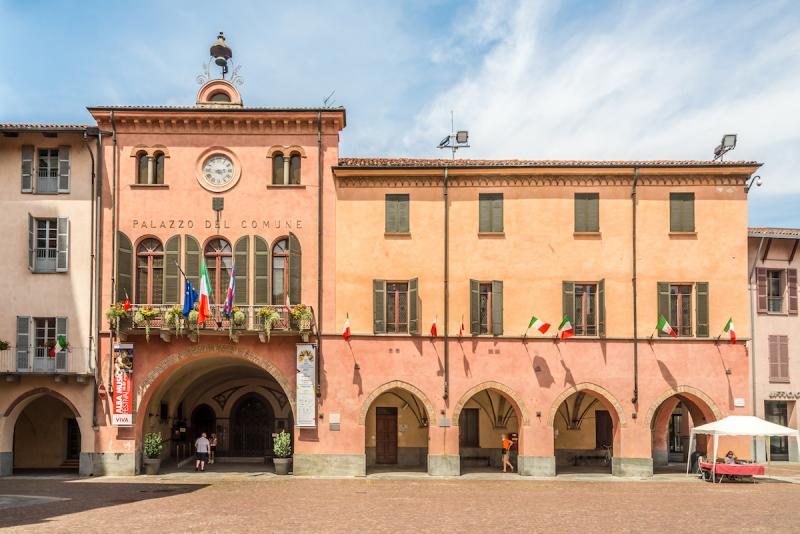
277	168
219	262
149	272
141	167
286	266
294	169
220	97
159	164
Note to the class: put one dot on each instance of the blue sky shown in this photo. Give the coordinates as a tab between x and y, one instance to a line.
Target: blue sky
537	80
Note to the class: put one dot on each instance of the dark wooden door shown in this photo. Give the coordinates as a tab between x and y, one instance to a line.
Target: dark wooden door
468	428
251	427
386	435
604	429
73	439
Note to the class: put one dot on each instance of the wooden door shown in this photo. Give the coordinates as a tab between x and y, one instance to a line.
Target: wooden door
468	428
73	439
604	429
386	435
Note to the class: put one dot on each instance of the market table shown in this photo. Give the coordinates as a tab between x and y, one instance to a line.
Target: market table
739	470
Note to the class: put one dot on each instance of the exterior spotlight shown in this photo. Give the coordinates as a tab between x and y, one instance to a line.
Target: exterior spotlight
753	180
727	144
462	137
455	140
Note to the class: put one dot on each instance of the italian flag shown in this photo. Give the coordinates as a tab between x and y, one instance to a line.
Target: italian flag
346	330
730	330
565	328
461	328
204	312
433	327
538	324
664	326
59	345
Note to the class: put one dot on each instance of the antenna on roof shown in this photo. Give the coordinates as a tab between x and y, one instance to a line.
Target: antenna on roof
455	140
327	102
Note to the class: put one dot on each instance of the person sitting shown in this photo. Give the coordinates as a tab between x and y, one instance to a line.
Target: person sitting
730	458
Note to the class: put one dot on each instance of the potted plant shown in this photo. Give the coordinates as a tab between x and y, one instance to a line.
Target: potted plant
236	320
173	318
145	314
301	316
115	314
4	344
282	450
193	327
152	453
268	317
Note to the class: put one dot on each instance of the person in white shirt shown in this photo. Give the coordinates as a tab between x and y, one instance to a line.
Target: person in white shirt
201	445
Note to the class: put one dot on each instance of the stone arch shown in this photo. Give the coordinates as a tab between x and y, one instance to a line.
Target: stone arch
694	395
286	150
33	394
512	396
396	384
604	396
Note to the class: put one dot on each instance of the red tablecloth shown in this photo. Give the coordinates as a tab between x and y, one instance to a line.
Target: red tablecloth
734	469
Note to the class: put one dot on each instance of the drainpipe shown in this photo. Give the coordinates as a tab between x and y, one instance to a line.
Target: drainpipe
113	240
635	399
319	252
752	288
93	255
446	285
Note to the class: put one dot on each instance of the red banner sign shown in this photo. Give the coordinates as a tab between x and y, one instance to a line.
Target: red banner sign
122	395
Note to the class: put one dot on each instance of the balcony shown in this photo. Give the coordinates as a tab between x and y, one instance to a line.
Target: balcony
45	261
37	360
45	183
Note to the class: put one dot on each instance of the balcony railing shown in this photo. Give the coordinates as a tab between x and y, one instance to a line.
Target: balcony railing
46	260
46	184
37	360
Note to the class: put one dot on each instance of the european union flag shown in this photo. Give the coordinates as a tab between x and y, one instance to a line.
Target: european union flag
190	296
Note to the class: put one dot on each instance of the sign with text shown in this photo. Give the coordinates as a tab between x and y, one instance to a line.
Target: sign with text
122	394
306	391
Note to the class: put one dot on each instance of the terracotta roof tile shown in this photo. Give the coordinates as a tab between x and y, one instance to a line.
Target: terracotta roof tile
441	163
34	127
788	232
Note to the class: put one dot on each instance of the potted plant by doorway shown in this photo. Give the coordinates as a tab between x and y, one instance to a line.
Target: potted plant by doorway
282	450
152	453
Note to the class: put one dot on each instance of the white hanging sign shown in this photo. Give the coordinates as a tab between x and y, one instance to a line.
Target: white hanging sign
306	390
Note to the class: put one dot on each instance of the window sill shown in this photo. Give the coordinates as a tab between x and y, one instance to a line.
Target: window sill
779	381
149	186
47	272
587	235
683	235
496	235
286	186
397	235
777	314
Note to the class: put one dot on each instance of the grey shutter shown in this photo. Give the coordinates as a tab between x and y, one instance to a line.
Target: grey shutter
172	279
474	307
23	343
402	214
568	300
61	330
192	266
62	241
580	213
31	241
497	308
601	308
64	165
241	255
260	271
761	285
484	213
701	329
378	306
681	212
663	304
791	287
413	306
391	215
497	213
124	266
27	168
295	273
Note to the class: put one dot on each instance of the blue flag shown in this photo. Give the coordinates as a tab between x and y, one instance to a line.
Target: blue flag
190	296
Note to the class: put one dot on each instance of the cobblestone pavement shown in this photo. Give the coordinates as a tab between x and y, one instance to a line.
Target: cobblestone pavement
247	502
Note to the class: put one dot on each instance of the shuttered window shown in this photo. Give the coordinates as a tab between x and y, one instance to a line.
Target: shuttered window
241	254
378	306
791	290
397	214
395	306
149	272
675	304
701	326
27	168
584	304
192	265
124	280
779	358
295	270
681	212
486	307
260	271
172	279
490	212
587	212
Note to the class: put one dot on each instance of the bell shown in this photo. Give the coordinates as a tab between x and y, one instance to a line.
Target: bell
221	51
220	61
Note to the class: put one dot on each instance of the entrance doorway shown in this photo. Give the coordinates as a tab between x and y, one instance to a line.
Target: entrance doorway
584	431
385	436
73	440
671	425
252	421
483	420
46	437
396	432
203	420
777	412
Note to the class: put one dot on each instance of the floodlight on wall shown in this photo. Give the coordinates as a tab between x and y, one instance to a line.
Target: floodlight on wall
727	144
455	140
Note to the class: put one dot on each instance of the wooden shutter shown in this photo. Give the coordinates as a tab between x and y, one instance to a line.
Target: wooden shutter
402	214
791	286
241	257
27	168
62	242
172	279
31	242
663	304
260	271
413	306
568	300
63	169
484	213
474	307
391	215
701	329
124	266
295	273
601	308
23	342
681	212
587	212
497	308
783	358
379	306
761	285
192	265
497	213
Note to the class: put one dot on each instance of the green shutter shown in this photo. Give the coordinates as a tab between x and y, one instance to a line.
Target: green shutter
663	304
27	169
62	244
378	306
260	271
172	280
391	215
402	214
568	300
681	212
241	258
497	213
124	267
587	212
474	307
601	308
31	242
295	270
413	306
485	213
192	265
497	308
23	342
702	309
63	169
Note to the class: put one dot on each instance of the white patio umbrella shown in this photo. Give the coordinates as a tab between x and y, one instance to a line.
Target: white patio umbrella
739	425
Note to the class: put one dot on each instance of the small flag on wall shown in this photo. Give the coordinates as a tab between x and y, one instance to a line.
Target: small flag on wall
346	329
127	304
433	326
461	328
731	330
565	328
59	345
664	326
538	324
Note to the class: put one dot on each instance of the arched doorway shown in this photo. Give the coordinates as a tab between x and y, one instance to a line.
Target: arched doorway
46	437
203	420
251	427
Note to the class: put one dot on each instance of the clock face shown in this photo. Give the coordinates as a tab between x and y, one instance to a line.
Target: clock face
218	170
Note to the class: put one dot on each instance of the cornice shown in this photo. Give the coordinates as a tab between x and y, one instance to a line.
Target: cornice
220	124
539	180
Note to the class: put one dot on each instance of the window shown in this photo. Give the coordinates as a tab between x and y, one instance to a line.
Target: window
681	212
777	412
490	212
49	166
44	333
149	272
159	164
775	290
587	212
219	97
35	337
486	307
585	321
142	168
48	245
675	303
779	358
680	309
294	169
219	262
396	214
47	174
468	427
280	271
395	306
277	169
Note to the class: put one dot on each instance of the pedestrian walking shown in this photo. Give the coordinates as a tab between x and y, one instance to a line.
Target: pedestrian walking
507	443
201	446
212	448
